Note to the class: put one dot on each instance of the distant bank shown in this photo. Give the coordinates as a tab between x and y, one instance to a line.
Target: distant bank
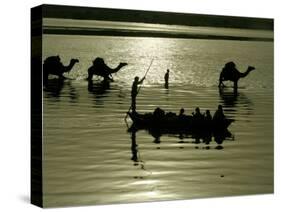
138	16
142	33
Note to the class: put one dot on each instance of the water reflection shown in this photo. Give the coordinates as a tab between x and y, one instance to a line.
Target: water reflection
54	87
231	100
99	89
197	138
135	152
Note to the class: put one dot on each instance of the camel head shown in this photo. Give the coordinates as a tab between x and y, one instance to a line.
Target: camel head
251	68
123	64
74	61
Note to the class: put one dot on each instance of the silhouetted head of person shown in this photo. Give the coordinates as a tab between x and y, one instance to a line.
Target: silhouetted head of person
197	110
181	111
136	79
208	112
168	70
220	107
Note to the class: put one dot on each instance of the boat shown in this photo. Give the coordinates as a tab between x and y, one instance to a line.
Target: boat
170	122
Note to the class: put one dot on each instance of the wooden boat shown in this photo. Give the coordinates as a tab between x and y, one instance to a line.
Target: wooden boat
172	122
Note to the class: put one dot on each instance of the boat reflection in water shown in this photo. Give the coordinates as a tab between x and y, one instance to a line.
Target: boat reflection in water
206	138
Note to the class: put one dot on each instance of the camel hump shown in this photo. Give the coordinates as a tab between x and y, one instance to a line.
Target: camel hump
230	65
54	60
99	62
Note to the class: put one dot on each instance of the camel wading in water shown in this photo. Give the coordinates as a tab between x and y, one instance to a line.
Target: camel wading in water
99	68
53	65
229	72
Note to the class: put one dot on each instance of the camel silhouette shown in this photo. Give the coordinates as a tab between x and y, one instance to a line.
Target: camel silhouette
99	68
53	65
229	72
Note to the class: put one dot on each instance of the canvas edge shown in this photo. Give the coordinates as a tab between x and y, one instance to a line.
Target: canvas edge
36	107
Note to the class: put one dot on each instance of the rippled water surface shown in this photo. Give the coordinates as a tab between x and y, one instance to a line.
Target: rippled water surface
90	158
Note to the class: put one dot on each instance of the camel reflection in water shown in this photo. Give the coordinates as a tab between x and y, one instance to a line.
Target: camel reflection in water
232	100
54	87
99	90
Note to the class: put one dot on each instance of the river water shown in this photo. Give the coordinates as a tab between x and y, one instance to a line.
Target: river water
90	158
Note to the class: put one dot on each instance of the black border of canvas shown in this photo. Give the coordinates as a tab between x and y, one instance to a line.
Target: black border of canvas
36	107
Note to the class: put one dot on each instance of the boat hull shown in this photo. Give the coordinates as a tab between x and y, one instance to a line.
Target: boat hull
176	123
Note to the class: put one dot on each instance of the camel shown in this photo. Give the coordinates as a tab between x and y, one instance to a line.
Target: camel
53	65
99	68
229	72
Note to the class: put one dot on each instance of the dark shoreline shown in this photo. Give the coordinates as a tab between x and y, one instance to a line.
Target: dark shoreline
155	17
140	33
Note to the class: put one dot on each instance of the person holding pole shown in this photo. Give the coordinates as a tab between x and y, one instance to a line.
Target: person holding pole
134	92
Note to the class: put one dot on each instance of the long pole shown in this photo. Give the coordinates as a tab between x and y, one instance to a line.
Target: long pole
139	87
145	75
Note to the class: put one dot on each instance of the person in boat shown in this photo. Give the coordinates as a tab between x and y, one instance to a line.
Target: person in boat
170	114
158	113
166	78
134	91
198	116
182	116
219	115
208	116
181	113
197	113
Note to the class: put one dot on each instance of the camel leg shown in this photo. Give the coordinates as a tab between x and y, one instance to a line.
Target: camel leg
108	78
90	76
235	85
220	80
62	77
111	77
221	84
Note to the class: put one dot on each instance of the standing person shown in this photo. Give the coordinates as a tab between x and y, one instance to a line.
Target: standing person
219	115
166	78
134	92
